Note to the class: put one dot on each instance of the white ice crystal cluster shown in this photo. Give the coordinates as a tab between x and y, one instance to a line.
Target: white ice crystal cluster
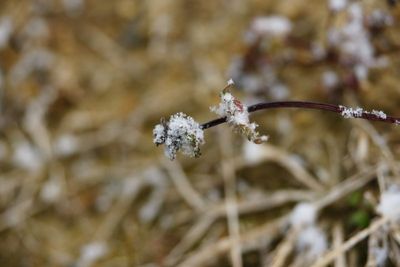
389	204
311	240
238	117
182	133
348	112
379	114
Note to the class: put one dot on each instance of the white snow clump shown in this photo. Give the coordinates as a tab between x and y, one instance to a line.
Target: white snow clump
238	117
350	112
182	133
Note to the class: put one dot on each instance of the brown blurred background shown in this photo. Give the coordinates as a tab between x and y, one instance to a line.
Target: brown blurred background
82	83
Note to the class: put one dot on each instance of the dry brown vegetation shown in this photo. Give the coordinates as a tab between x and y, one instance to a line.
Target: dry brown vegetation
83	82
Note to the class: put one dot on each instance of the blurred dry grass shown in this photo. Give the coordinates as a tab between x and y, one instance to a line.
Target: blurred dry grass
82	83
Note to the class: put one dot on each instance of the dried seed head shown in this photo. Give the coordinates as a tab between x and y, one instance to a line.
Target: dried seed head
238	117
182	133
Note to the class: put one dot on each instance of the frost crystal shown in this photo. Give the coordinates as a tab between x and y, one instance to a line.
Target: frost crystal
237	116
181	132
350	112
230	82
358	112
379	114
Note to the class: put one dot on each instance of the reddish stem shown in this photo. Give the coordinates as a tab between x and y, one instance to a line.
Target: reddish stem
304	105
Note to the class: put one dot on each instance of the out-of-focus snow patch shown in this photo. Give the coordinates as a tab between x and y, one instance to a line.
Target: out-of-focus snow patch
51	191
253	153
337	5
330	79
92	252
66	145
27	157
271	25
6	28
311	243
304	214
279	92
389	204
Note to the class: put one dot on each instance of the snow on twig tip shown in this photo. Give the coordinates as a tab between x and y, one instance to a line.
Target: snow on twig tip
238	117
182	133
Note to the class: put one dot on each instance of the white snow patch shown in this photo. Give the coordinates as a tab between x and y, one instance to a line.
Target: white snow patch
91	252
337	5
304	214
271	25
253	153
380	255
389	204
66	145
311	242
330	79
27	157
51	191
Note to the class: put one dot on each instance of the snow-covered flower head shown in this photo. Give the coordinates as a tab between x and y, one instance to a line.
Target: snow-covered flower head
182	133
238	117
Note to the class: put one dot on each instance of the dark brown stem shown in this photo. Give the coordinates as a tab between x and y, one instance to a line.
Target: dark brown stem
304	105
